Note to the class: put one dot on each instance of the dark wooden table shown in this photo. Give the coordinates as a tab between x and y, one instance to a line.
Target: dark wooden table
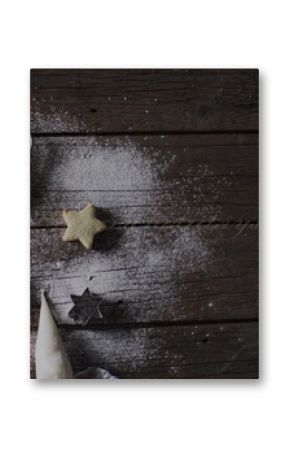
170	158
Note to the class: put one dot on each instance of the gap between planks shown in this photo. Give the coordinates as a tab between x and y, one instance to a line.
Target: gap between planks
152	225
153	324
142	133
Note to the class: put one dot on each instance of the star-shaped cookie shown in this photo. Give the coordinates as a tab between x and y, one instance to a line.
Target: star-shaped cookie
82	225
85	306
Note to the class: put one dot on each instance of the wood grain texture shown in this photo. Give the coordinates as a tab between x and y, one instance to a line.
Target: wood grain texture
170	158
125	101
146	179
219	351
151	274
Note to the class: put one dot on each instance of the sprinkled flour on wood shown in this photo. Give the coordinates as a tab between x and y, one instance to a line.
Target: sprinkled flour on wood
118	164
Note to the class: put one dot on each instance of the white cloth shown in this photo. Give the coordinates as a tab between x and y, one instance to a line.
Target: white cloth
51	358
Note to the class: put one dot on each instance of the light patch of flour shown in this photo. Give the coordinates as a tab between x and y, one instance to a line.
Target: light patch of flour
117	166
186	248
57	120
133	347
160	250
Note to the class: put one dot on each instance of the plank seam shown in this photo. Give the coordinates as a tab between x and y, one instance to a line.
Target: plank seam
144	133
154	324
174	224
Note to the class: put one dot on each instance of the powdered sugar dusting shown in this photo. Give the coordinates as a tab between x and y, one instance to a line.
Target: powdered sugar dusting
131	347
57	120
121	164
149	264
111	166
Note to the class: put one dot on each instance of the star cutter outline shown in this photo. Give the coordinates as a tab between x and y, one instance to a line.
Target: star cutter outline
82	225
85	307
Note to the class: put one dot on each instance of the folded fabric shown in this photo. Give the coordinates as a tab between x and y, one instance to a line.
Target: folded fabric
51	359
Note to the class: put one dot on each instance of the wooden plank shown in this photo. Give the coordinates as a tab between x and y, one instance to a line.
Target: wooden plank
151	274
126	101
146	179
217	351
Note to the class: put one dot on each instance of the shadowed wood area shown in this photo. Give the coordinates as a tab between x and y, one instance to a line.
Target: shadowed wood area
170	160
124	101
174	352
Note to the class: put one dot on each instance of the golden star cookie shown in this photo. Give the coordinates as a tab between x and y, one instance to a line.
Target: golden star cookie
82	225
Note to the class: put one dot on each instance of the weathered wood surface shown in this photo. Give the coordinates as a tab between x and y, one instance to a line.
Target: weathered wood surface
125	101
170	158
146	179
228	350
151	274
